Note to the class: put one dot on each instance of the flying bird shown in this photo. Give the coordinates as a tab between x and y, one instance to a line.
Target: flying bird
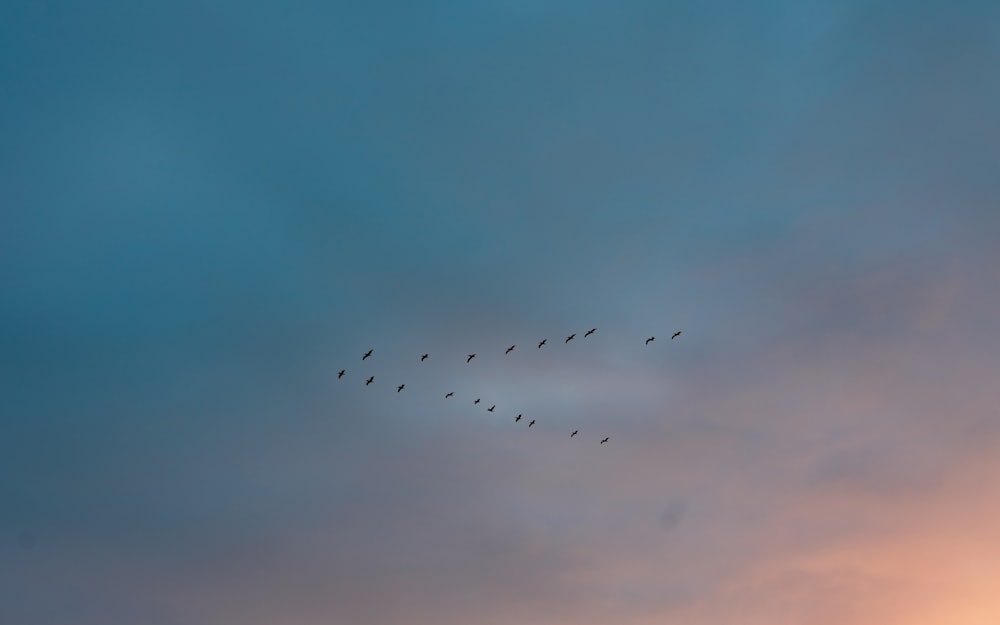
517	418
477	401
650	340
532	423
541	343
370	380
424	357
447	395
575	432
676	334
469	359
490	409
570	338
589	332
341	373
509	349
605	440
367	354
400	387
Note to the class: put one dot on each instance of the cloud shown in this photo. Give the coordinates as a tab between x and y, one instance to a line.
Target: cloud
216	210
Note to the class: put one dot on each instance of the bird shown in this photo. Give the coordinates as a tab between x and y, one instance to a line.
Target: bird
532	423
341	373
469	359
589	332
517	418
447	395
367	354
676	334
570	338
490	409
575	432
605	440
541	343
370	380
477	401
650	340
424	357
509	349
400	387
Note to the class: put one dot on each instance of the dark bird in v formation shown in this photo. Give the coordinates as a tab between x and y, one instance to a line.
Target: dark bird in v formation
424	357
469	359
367	354
509	349
447	395
490	409
570	338
676	334
341	373
650	340
589	332
400	387
517	418
477	401
605	440
370	380
575	432
542	342
532	423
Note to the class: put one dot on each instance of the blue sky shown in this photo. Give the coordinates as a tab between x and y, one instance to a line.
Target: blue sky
208	209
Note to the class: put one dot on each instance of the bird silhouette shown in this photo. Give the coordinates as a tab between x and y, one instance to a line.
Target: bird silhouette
469	359
541	343
650	340
676	334
476	402
367	354
589	332
341	373
370	380
605	440
400	387
447	395
575	432
509	349
490	409
569	338
517	418
424	357
532	423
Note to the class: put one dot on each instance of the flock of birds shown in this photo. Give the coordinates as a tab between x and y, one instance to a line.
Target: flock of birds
468	360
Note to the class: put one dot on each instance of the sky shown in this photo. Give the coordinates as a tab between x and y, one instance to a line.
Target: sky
208	209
